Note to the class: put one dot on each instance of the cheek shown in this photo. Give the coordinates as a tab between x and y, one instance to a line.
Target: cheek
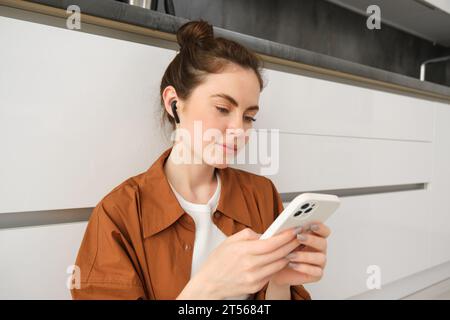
213	126
213	120
210	119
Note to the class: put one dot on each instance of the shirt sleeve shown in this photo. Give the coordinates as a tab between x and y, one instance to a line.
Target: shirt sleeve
297	292
105	264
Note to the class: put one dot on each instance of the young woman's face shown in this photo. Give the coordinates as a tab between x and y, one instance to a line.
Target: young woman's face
219	113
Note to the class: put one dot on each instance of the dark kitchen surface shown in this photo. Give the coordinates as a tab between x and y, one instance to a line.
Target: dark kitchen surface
324	27
156	20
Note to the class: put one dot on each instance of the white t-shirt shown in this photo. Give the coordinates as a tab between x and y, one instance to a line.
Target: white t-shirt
207	235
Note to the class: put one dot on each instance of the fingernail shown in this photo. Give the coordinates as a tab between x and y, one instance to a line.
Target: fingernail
292	265
301	237
298	230
314	227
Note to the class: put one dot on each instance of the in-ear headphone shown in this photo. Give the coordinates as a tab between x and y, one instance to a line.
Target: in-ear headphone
174	111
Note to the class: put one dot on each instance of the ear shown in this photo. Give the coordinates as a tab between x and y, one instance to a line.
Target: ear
169	95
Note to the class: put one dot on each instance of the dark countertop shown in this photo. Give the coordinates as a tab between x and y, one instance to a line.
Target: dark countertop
121	12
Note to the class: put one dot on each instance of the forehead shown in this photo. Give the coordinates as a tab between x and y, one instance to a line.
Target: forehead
239	83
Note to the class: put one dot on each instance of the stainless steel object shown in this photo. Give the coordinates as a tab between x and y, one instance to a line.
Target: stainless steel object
423	65
141	3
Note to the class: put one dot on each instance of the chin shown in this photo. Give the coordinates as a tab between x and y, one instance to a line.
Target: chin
220	165
219	159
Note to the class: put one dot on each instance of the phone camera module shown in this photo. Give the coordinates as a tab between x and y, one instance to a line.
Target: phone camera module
307	207
299	212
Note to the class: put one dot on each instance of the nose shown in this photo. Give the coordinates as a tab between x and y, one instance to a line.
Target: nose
236	123
235	128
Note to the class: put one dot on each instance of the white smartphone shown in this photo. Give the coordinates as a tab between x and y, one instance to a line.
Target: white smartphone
303	211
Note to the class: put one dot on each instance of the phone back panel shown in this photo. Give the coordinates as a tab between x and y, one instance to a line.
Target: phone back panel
303	211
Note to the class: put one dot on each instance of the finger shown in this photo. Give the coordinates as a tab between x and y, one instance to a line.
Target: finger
268	245
271	268
279	253
320	229
304	248
314	258
308	269
313	241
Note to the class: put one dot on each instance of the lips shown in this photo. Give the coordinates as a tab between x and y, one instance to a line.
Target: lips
229	148
232	147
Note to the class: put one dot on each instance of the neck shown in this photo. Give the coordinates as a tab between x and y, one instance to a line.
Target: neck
194	182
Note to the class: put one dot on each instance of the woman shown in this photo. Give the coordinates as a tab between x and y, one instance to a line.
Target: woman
188	227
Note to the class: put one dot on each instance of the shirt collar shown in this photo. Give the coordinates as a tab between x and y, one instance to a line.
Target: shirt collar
160	207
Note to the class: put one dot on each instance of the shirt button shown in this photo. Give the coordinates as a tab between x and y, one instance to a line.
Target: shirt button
187	247
216	215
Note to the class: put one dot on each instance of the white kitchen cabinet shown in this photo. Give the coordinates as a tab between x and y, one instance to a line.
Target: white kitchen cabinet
35	260
79	113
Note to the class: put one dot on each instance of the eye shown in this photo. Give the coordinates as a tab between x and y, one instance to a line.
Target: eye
222	110
248	118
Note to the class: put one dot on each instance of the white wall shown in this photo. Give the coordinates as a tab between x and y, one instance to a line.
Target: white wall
35	260
444	5
440	188
78	115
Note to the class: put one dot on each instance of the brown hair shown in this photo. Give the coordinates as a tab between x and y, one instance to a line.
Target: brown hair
201	53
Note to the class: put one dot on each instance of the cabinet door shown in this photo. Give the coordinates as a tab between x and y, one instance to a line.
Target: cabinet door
79	114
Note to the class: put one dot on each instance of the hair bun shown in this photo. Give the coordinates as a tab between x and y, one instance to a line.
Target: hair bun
198	32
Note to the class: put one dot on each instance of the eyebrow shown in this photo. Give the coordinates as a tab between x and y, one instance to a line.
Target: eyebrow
232	100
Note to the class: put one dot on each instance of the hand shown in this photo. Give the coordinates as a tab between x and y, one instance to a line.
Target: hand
242	264
307	261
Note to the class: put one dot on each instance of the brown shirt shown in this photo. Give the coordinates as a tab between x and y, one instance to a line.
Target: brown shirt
138	242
